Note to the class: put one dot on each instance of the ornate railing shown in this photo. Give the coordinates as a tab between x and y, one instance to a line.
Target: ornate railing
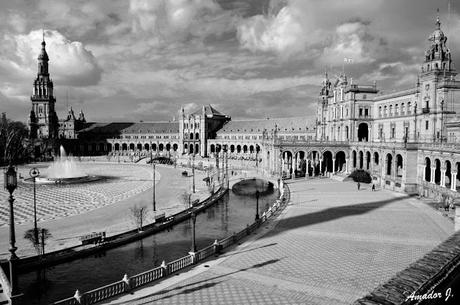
127	284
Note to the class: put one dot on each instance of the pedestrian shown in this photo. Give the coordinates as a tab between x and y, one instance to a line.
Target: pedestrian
373	187
359	185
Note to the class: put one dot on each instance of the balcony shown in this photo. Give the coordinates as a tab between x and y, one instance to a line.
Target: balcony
426	110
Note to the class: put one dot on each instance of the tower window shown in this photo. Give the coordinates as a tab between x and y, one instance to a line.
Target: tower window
426	125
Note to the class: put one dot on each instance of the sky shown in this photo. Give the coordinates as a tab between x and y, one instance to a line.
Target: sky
133	60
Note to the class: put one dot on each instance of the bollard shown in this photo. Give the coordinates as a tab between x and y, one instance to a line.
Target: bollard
165	269
217	247
127	283
77	296
193	257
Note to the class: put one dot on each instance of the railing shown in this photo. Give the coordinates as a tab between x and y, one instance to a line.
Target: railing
129	283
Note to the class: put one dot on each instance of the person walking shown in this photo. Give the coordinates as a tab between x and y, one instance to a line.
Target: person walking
373	187
359	186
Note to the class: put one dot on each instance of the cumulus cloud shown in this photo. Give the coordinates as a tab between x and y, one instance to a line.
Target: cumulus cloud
280	33
351	40
178	19
70	62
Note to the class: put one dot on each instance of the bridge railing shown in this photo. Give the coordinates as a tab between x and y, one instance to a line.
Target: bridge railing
127	284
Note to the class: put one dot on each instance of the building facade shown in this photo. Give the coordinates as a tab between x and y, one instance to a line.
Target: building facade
407	140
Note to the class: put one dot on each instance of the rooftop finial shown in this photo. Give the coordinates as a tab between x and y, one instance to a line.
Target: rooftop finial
438	22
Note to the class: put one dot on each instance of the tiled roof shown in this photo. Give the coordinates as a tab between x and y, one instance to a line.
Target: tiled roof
153	127
142	127
209	111
258	126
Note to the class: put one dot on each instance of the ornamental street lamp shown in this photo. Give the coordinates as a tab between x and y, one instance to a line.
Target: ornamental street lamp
34	173
193	218
153	164
257	205
193	173
11	182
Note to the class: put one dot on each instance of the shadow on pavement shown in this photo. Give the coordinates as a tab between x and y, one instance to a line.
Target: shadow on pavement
330	214
191	287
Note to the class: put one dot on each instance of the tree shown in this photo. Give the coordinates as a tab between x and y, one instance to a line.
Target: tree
184	198
15	146
138	216
43	236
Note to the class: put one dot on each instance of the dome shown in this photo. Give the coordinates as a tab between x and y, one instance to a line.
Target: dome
43	55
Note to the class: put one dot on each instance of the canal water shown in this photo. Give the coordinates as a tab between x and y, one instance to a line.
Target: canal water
231	214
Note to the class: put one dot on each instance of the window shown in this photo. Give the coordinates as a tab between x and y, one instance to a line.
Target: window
366	112
426	125
360	112
409	110
403	109
391	110
380	111
393	132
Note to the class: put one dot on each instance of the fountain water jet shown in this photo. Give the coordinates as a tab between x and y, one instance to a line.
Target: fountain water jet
64	170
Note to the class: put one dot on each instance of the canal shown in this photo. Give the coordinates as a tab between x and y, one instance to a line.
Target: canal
230	214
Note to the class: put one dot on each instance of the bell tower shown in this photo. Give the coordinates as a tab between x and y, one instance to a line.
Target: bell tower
43	120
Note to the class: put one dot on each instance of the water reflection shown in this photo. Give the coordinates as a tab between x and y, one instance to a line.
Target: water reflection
231	214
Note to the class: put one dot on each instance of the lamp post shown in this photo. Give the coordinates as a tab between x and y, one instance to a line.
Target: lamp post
11	182
193	173
193	220
153	186
257	205
34	173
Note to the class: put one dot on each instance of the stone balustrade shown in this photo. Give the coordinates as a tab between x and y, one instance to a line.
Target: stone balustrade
127	284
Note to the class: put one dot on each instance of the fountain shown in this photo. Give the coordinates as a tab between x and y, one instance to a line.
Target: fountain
64	170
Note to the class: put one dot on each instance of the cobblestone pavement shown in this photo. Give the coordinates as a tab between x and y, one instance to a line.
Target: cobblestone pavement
57	201
331	245
69	211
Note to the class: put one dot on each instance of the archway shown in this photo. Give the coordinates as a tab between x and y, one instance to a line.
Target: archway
175	146
448	177
389	162
354	158
185	148
363	132
399	165
139	146
245	148
117	146
154	147
124	146
427	169
213	148
238	148
300	164
340	159
361	159
168	147
146	146
251	149
131	146
437	172
327	162
190	148
197	148
368	160
232	148
161	147
376	158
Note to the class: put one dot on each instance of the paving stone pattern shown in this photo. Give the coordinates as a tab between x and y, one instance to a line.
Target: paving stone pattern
57	201
331	245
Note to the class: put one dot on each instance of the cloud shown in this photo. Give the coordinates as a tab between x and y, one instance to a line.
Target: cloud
70	62
178	20
352	40
282	33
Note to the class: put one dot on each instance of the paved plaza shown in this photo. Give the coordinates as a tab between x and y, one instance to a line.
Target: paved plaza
331	245
69	211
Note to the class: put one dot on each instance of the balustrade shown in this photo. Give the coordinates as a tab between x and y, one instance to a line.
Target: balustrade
127	284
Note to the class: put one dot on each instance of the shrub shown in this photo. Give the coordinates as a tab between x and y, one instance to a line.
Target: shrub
360	175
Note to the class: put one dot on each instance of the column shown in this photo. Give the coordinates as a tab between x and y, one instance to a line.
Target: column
453	184
443	177
293	162
432	174
320	165
423	172
365	161
347	161
333	165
